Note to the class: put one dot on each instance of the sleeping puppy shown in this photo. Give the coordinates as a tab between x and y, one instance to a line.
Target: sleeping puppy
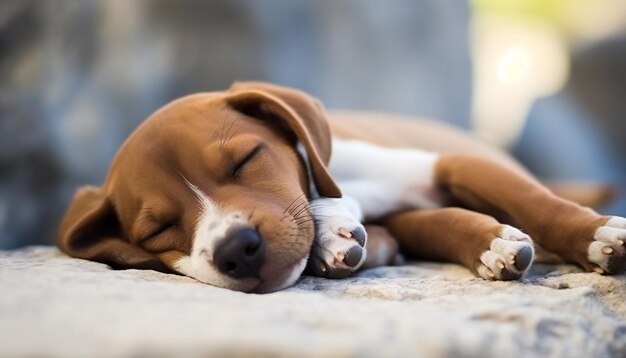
238	189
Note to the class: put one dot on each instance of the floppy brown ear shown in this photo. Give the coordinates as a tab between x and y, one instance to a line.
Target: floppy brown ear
91	230
303	114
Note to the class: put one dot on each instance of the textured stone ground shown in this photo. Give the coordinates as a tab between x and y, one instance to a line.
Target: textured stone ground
52	305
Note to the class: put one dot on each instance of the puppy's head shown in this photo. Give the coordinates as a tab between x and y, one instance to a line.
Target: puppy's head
211	186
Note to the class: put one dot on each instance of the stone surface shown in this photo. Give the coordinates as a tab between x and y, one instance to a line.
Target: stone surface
53	305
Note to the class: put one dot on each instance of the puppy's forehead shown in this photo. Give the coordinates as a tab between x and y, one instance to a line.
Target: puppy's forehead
178	142
173	128
152	154
177	132
185	116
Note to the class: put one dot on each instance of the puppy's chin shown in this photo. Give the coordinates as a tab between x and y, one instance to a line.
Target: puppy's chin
283	279
274	279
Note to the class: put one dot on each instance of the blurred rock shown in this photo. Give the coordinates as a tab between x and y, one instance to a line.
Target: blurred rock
77	77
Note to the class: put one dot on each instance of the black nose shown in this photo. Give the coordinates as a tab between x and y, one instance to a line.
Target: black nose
240	254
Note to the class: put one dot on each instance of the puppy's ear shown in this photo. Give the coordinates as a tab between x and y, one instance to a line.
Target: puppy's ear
301	113
91	230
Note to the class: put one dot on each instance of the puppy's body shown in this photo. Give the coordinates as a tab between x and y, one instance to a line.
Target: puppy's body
226	187
381	162
393	158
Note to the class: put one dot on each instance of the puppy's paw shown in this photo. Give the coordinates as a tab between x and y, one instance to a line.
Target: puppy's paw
339	246
509	256
607	252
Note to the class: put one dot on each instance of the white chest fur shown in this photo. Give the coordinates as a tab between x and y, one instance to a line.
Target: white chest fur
384	180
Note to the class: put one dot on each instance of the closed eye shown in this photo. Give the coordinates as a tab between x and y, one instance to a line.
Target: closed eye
160	230
240	165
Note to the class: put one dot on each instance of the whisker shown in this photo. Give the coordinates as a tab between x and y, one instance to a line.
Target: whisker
225	135
304	209
228	134
298	207
318	205
306	224
302	220
222	135
298	235
293	202
252	212
304	214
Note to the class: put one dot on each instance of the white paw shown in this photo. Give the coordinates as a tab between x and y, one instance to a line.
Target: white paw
339	245
509	255
608	249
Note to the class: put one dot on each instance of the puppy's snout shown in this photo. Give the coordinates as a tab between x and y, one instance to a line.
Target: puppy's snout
240	254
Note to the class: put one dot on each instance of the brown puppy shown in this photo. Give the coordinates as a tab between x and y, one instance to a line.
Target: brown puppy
225	187
208	167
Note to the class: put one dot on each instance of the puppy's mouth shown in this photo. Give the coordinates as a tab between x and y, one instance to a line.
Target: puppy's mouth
283	278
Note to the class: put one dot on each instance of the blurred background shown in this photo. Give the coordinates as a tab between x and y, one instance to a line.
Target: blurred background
543	79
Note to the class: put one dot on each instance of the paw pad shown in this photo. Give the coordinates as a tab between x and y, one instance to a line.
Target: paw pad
358	234
353	256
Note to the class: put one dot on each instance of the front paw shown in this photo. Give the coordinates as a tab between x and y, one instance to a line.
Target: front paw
339	246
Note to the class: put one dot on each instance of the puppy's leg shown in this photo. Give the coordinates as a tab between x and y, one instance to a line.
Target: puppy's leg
382	248
340	238
577	234
491	250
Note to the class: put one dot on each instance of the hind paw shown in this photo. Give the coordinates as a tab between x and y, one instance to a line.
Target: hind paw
509	256
607	252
